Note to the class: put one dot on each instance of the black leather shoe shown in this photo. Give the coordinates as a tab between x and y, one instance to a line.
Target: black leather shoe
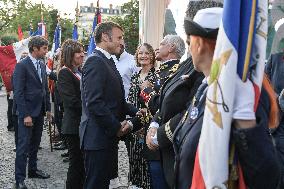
21	185
66	160
38	174
58	143
61	147
65	154
11	129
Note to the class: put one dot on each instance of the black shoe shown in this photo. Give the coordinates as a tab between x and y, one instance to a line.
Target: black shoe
40	148
65	154
21	185
14	150
58	143
65	160
61	147
11	129
38	174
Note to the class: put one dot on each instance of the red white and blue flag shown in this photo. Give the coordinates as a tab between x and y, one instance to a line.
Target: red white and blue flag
42	29
97	20
240	51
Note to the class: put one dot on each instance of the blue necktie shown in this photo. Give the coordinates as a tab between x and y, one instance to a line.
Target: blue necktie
38	69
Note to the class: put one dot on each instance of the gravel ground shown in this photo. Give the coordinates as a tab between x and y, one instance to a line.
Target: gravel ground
51	162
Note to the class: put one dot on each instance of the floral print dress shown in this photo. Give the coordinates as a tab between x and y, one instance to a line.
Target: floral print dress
138	172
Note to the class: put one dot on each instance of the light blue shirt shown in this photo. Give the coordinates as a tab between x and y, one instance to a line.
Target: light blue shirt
35	63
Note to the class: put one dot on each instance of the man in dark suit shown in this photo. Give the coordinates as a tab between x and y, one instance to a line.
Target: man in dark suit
32	102
170	102
104	108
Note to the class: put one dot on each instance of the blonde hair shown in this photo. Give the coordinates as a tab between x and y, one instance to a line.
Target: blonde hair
151	51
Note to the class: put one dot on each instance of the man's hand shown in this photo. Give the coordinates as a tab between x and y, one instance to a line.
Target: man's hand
120	133
49	116
145	84
127	128
28	121
149	139
141	112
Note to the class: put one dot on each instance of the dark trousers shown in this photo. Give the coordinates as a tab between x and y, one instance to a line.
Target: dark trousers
15	123
158	180
114	162
278	137
28	142
76	171
98	168
9	112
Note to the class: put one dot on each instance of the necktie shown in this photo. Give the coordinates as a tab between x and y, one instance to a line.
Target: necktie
38	69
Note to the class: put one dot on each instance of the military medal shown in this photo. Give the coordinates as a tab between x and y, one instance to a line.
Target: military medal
158	82
194	113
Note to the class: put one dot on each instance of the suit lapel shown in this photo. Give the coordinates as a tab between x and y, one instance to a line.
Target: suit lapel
192	122
111	64
177	76
32	67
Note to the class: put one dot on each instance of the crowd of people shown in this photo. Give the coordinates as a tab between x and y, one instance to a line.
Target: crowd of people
157	110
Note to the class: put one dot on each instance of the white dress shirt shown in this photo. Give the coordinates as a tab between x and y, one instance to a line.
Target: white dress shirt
126	66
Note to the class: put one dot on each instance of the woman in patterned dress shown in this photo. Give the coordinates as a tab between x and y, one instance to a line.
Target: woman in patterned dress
139	174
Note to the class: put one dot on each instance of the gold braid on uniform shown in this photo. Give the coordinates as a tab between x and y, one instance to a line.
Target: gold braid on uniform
168	131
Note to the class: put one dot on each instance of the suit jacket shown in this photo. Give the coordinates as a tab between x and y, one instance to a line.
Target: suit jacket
175	94
253	147
31	94
103	103
69	90
166	71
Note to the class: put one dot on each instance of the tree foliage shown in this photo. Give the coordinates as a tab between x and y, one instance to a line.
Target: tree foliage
24	13
130	23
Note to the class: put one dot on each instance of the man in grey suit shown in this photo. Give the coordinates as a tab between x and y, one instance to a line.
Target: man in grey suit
104	108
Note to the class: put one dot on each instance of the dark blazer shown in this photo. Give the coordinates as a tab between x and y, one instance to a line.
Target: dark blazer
69	90
253	146
175	94
166	71
32	95
103	103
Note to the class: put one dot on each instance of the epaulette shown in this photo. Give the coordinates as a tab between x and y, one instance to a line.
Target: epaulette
174	68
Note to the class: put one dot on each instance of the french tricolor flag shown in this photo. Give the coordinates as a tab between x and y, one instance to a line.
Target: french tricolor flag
240	50
42	29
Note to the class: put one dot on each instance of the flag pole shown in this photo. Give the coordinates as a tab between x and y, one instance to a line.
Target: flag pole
41	12
77	13
75	26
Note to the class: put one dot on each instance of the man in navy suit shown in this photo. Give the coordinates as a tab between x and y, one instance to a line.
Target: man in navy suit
32	102
104	108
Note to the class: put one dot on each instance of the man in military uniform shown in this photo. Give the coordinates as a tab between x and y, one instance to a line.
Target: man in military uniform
177	86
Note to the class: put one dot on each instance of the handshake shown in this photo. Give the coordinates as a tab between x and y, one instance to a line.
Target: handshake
125	128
